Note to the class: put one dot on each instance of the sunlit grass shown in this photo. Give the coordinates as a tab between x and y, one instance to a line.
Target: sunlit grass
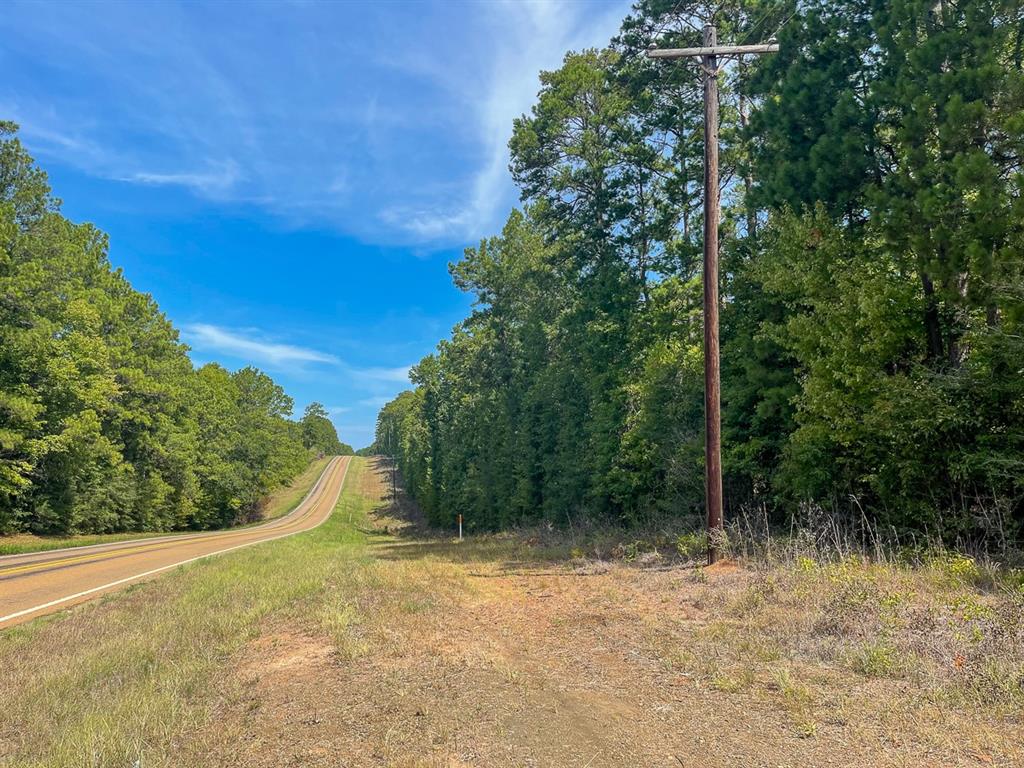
121	679
822	644
284	500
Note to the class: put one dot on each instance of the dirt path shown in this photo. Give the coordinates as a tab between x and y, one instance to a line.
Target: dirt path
451	656
37	583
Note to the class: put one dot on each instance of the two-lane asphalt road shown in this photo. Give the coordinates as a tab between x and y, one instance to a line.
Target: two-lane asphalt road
41	582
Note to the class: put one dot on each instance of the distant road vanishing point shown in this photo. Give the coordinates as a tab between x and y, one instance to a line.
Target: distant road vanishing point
37	583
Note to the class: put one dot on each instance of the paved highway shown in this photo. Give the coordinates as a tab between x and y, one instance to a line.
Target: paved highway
42	582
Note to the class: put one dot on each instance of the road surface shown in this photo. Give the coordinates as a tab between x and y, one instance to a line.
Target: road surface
37	583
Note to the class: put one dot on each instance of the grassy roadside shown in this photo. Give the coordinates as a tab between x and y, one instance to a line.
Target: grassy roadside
390	644
946	627
142	678
279	503
549	649
285	499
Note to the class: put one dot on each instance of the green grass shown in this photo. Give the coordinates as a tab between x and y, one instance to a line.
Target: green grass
279	503
145	675
284	500
21	543
131	678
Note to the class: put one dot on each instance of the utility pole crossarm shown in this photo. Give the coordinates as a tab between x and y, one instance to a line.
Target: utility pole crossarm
717	50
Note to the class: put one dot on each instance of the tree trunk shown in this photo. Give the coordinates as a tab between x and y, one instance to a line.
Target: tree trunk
748	180
932	329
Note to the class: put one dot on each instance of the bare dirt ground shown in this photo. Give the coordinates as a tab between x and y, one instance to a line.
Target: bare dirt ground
449	654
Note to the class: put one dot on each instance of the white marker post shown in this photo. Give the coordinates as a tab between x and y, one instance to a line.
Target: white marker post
460	527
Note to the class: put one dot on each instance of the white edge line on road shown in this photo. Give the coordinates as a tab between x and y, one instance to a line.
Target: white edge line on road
183	536
119	582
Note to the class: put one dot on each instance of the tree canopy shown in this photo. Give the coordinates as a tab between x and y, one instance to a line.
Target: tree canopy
105	425
873	281
319	434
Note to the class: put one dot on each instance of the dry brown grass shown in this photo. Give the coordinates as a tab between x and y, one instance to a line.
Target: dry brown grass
385	644
508	650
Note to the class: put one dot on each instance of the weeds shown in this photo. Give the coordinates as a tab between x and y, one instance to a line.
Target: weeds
93	685
875	658
805	623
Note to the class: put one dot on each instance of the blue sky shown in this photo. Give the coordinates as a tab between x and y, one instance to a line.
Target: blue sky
289	180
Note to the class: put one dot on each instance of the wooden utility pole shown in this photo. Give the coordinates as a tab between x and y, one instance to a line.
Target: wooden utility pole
708	54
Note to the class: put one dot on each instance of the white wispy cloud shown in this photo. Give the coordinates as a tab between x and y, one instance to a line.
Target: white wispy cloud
427	224
534	36
220	178
375	402
251	346
295	110
256	347
399	375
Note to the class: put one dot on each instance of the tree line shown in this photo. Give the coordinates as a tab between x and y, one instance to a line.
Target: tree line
873	281
105	425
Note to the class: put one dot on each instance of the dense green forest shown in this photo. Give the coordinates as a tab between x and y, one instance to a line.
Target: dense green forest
105	425
873	282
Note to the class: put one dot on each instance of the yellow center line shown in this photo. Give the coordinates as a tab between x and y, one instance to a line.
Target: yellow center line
163	544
